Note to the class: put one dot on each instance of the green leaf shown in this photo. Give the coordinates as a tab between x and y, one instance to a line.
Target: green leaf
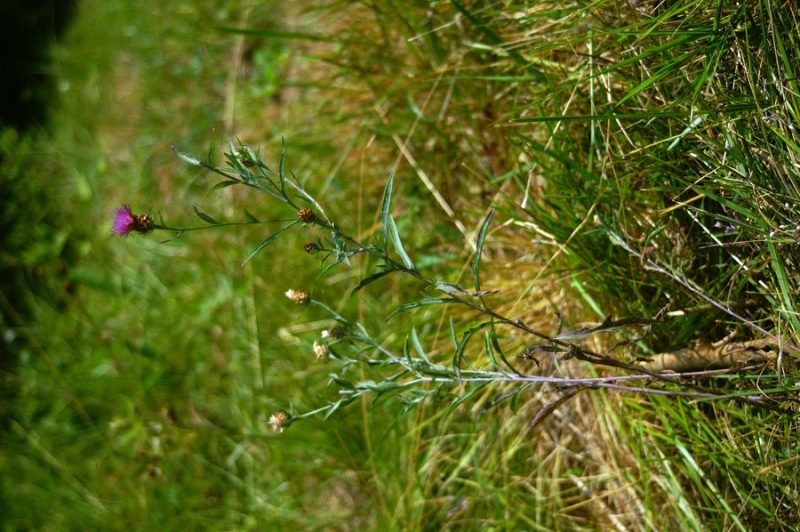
418	346
664	71
785	285
205	217
455	404
407	354
269	239
224	184
398	245
282	167
476	260
497	348
607	325
291	35
487	345
514	405
342	383
367	280
387	200
458	356
185	157
250	217
421	303
212	151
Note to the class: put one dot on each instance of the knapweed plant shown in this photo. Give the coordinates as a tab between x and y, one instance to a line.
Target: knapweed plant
407	372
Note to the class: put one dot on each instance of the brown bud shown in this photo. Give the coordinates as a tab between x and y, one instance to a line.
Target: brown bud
143	223
336	332
306	215
311	247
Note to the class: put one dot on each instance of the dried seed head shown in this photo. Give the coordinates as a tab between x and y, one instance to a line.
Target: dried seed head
298	297
279	421
143	224
320	350
311	247
336	332
306	215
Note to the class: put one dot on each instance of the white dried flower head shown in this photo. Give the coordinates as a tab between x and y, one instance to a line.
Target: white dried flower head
325	333
298	297
278	421
320	350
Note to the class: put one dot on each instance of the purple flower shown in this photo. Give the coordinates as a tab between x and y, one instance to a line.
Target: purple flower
124	221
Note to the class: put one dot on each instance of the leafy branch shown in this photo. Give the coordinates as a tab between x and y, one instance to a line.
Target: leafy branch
412	375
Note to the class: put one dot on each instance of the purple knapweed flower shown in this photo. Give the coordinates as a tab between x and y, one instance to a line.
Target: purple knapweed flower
125	222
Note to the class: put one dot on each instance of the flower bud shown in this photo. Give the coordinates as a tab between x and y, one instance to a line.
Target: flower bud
306	215
336	332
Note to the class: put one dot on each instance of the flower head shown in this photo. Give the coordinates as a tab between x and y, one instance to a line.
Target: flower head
279	421
125	222
320	350
298	297
306	215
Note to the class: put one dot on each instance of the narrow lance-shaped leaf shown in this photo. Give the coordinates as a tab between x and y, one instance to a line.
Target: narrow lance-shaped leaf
387	200
458	356
499	350
462	398
407	354
607	325
282	167
421	303
212	151
367	280
398	245
487	345
268	240
205	217
418	346
514	404
224	184
476	260
453	333
185	157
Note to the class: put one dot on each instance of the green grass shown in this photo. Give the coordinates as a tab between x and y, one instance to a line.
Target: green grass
637	157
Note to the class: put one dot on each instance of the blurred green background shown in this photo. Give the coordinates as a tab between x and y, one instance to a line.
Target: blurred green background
138	377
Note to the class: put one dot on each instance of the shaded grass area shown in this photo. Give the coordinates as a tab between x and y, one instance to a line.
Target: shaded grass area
611	137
